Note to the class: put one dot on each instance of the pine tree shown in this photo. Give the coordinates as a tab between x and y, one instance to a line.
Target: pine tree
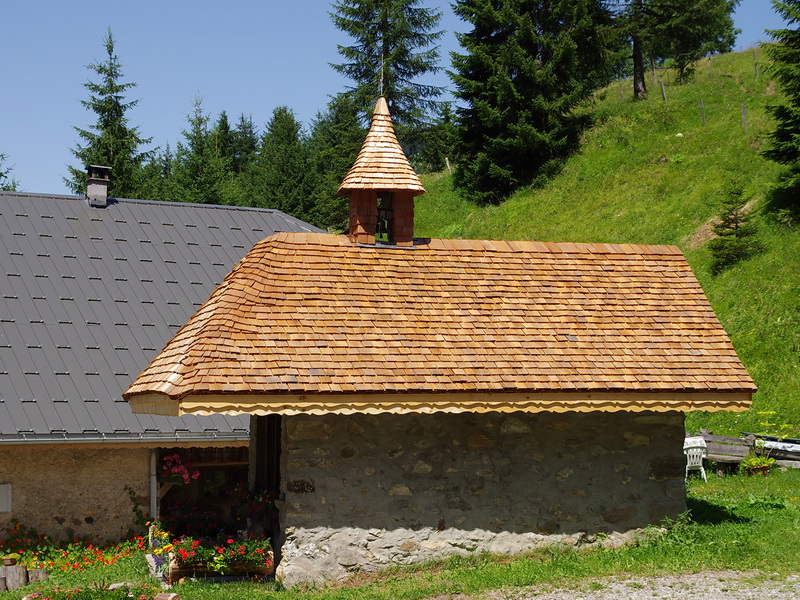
735	231
201	173
528	64
6	182
335	140
110	141
393	47
785	55
277	179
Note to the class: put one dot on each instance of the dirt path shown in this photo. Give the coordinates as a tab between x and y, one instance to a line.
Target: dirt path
708	585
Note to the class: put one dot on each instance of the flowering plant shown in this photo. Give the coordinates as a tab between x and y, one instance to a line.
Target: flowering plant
252	504
160	547
247	551
172	466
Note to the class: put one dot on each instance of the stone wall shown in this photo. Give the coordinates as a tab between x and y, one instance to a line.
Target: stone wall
65	491
365	491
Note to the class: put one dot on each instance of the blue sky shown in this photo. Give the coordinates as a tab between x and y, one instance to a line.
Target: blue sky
242	56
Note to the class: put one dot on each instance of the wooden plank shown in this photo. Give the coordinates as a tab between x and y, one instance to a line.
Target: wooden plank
723	450
725	458
723	439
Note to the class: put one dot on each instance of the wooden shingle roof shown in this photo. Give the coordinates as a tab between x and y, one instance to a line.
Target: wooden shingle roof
381	163
313	323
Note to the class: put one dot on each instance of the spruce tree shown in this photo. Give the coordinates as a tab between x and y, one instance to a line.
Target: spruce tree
683	31
336	138
528	64
393	47
244	142
6	182
110	141
201	173
278	177
735	231
785	55
678	31
158	178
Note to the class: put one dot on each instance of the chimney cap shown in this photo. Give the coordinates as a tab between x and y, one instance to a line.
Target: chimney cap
381	163
97	179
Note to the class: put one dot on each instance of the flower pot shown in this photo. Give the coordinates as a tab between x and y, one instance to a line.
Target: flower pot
9	562
762	470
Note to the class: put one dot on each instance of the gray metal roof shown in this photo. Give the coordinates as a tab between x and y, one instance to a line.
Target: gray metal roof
90	295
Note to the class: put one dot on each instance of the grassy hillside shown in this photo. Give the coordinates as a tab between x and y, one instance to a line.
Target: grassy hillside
651	172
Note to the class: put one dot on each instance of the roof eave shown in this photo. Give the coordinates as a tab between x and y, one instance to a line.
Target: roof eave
735	400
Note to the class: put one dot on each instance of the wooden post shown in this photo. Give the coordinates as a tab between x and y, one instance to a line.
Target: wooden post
16	576
35	575
744	118
663	92
702	112
447	163
655	77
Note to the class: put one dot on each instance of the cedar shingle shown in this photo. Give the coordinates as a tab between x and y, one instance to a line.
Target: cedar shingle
314	314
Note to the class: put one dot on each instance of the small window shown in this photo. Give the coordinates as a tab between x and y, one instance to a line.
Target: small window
384	231
5	497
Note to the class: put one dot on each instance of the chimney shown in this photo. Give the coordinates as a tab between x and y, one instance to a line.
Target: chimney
97	180
381	186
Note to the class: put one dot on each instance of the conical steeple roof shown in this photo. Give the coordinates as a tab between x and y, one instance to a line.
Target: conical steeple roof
381	163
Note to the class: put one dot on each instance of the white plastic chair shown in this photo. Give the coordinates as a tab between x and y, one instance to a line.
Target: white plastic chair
695	450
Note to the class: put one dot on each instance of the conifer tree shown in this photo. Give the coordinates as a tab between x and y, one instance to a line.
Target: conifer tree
735	231
158	178
201	173
785	55
528	64
393	46
223	137
110	141
6	182
335	140
244	142
681	31
278	178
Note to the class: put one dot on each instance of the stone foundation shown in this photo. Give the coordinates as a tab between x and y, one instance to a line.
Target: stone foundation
365	491
68	492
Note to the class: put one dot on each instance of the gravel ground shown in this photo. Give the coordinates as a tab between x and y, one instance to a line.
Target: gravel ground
708	585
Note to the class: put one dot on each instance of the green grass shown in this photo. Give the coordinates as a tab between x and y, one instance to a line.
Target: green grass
738	522
636	181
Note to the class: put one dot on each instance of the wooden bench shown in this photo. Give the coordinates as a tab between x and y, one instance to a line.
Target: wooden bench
727	452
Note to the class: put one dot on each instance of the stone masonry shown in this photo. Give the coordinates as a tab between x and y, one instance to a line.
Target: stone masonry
366	491
67	491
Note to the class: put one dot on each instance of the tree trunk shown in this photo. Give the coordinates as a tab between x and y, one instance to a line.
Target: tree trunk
639	86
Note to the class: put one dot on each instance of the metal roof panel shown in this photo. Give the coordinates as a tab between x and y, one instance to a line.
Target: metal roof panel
89	296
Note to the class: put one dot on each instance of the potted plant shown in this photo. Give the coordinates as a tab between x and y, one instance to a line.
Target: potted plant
10	559
175	470
757	463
